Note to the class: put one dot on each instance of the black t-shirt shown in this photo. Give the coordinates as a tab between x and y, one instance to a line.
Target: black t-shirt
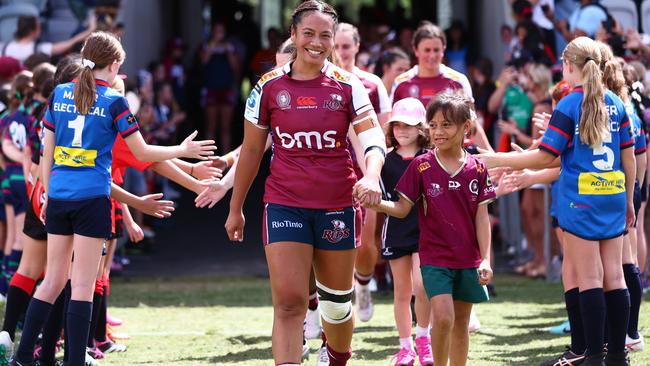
398	232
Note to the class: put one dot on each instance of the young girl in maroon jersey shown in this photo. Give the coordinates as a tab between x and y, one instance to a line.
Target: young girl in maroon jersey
454	189
408	134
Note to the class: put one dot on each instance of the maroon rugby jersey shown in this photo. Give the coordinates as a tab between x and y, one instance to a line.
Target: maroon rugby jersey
308	120
447	206
409	84
376	90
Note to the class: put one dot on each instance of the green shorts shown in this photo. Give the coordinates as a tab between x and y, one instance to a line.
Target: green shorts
461	284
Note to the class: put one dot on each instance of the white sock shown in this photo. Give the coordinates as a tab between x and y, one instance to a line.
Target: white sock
406	342
421	332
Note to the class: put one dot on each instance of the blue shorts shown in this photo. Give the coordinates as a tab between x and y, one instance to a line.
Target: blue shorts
88	217
335	229
18	195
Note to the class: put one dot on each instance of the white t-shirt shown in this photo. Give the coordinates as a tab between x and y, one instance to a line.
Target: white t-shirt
21	51
538	14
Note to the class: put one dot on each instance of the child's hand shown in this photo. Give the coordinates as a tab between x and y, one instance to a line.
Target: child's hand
484	272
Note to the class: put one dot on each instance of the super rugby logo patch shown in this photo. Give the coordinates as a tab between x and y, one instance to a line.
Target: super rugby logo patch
337	234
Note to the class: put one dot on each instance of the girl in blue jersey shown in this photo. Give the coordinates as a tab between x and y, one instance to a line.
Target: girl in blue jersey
614	80
591	132
81	124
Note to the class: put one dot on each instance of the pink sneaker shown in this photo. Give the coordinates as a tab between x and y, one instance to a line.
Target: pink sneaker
423	346
113	321
405	357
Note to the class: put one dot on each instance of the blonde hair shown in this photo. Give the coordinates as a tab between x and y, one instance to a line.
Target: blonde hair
540	75
118	85
584	53
613	77
102	49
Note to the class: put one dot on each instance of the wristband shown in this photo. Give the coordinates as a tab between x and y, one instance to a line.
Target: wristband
230	160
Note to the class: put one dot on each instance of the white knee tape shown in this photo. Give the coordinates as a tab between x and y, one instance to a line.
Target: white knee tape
335	305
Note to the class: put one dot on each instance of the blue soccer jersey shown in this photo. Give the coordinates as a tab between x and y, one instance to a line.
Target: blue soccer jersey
82	154
591	200
16	132
640	143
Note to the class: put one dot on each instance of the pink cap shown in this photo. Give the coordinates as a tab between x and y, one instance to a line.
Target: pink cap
409	111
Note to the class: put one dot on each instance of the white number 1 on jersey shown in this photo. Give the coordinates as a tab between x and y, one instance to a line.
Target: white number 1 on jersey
77	125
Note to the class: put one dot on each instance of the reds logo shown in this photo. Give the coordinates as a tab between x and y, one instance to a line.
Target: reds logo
334	103
339	233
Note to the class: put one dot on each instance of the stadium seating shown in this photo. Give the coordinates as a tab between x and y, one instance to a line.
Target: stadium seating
624	11
9	14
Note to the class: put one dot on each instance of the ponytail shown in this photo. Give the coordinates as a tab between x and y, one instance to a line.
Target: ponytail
613	77
85	91
100	50
594	119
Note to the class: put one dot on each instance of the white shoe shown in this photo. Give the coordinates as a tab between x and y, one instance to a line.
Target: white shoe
634	345
312	327
322	358
305	352
90	361
6	345
365	308
474	323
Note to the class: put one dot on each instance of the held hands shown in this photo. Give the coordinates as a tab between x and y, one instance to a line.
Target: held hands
484	272
201	150
367	191
152	205
235	225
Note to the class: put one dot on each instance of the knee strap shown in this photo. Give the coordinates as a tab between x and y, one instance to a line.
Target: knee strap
335	305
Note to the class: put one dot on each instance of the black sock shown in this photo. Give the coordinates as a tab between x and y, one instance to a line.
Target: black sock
17	302
592	308
572	300
633	283
100	331
97	305
66	342
618	314
52	331
37	313
79	313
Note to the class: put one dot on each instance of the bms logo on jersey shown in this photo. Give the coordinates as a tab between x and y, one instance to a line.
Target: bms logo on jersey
339	232
308	139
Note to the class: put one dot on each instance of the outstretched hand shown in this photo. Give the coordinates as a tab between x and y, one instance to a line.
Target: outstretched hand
201	149
211	195
152	205
204	170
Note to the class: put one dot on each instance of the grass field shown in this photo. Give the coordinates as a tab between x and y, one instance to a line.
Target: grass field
227	321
